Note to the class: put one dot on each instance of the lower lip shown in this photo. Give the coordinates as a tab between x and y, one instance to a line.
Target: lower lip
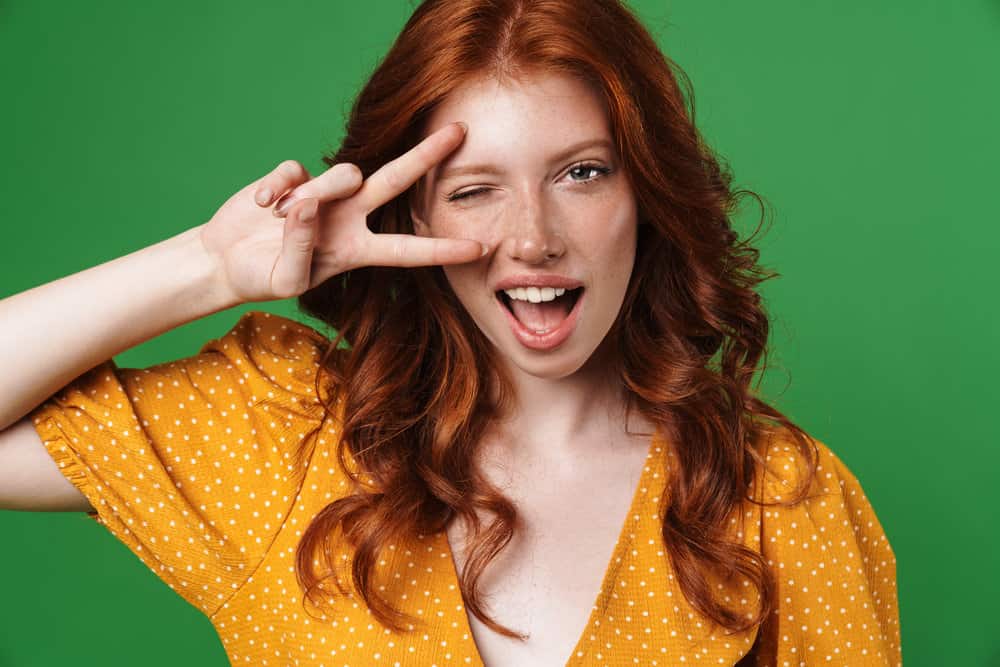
548	340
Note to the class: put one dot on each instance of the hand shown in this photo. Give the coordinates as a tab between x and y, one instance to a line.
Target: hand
318	228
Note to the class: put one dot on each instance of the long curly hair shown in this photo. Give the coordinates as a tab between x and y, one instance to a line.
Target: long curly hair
410	367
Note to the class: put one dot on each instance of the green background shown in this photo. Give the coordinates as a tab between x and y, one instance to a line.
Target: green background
872	129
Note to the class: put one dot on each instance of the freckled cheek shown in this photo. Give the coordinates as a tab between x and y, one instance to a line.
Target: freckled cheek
605	232
484	224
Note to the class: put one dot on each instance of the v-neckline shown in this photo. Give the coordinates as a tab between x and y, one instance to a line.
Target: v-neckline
625	532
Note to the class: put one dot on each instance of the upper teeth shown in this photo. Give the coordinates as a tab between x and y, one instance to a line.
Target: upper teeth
535	294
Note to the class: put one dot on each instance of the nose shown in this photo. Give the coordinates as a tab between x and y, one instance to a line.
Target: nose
535	236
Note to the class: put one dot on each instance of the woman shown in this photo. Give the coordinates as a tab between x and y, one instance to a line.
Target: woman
536	408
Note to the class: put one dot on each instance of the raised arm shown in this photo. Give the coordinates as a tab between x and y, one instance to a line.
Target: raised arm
54	332
274	239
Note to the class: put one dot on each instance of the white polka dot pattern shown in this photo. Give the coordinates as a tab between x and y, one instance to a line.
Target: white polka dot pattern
191	464
836	571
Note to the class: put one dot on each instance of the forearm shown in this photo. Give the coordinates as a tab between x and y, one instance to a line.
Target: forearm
52	333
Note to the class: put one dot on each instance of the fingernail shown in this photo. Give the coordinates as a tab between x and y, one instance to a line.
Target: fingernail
465	128
486	249
309	211
282	208
264	196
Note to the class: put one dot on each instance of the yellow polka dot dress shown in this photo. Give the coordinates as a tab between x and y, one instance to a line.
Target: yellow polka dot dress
210	468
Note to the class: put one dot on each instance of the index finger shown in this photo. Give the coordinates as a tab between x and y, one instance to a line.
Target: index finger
408	250
394	177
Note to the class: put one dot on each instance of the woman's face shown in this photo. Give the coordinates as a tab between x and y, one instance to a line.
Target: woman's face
538	181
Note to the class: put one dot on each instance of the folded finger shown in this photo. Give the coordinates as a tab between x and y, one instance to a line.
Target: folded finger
282	178
393	178
339	181
410	250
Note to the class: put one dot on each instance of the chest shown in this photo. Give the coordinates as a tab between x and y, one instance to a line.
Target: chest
546	584
546	580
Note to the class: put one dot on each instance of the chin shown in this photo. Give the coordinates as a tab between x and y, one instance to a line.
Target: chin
550	366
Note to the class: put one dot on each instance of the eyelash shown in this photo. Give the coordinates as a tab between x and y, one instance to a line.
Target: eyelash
603	171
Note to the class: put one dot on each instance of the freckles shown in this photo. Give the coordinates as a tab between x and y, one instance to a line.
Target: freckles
618	209
479	223
604	224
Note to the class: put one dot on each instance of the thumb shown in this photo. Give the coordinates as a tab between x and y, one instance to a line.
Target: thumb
290	275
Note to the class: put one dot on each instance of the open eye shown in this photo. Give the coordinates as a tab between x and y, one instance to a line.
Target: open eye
586	168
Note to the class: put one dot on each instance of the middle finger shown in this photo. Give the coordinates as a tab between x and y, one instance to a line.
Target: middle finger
393	178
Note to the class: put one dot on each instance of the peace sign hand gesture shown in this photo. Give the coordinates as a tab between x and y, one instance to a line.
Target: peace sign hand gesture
319	227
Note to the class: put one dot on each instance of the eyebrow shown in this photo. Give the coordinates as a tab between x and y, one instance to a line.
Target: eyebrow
454	171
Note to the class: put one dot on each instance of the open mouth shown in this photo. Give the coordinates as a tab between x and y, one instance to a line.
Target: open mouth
542	316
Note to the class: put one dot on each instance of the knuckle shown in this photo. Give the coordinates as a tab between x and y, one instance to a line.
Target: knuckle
422	152
346	175
290	168
398	250
352	173
434	252
393	177
425	155
306	208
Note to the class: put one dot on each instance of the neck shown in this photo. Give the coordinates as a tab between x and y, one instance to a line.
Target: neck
554	414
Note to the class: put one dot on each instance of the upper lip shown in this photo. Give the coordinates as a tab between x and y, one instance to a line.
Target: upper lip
537	280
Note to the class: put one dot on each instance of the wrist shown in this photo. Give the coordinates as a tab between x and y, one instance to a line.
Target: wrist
207	290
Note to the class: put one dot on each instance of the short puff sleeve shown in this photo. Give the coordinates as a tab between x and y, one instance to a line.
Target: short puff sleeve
194	464
835	570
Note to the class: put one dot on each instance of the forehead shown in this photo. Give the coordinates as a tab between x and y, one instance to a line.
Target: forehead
531	117
525	92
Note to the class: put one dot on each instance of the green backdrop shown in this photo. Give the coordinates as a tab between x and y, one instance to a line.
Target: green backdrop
872	128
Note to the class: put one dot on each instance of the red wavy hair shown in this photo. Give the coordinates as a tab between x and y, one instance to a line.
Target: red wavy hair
690	336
